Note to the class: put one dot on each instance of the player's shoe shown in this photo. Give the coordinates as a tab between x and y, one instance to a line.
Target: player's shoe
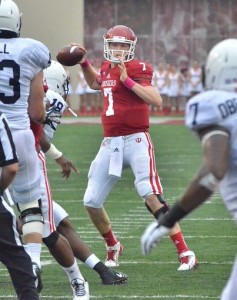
38	281
111	277
80	289
113	253
188	261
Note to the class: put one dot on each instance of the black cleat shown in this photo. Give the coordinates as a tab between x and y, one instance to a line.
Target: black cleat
38	281
111	277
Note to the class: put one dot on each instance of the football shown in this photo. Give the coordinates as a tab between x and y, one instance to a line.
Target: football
70	55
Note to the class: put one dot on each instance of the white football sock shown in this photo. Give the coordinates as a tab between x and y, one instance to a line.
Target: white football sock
92	260
73	272
34	250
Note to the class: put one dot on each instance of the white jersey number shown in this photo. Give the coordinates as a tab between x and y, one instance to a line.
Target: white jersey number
143	66
12	83
108	93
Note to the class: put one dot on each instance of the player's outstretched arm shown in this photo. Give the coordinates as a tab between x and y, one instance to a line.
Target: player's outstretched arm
66	166
51	151
216	148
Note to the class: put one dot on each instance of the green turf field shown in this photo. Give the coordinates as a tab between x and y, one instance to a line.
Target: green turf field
209	231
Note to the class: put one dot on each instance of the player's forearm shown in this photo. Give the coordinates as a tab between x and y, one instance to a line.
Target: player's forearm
7	175
90	75
36	108
194	196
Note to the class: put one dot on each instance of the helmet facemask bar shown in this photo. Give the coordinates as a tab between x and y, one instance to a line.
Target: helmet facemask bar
66	88
126	55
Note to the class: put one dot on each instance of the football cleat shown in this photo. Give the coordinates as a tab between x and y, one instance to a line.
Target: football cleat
37	274
113	253
188	261
80	289
112	277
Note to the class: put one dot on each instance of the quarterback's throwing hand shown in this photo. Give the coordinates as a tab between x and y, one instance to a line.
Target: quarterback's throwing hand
152	236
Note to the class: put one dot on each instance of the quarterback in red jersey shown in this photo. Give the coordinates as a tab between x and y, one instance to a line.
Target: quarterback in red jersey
124	111
127	90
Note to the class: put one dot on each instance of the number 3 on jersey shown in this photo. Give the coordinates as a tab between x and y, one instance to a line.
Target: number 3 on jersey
12	85
109	95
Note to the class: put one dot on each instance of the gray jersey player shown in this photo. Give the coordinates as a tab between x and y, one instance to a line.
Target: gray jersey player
22	61
212	116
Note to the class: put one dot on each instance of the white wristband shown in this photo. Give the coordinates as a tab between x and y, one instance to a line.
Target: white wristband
211	133
210	182
53	152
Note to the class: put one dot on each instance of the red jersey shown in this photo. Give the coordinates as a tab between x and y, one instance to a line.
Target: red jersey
37	131
124	112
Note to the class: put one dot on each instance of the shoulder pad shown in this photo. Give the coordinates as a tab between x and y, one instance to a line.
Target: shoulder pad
202	111
37	54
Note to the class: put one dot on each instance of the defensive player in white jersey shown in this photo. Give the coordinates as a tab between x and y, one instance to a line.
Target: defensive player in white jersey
212	116
12	252
22	61
57	82
127	91
56	243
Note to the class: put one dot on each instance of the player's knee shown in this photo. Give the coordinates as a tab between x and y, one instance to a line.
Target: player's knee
51	240
143	187
31	217
64	226
92	201
161	211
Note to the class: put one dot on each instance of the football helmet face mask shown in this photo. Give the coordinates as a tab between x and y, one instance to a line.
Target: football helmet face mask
119	34
10	17
57	79
221	66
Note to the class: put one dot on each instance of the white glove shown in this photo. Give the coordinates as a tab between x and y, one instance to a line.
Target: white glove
52	118
152	236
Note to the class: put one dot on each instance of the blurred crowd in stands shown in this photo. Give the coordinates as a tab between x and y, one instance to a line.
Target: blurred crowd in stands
173	36
175	84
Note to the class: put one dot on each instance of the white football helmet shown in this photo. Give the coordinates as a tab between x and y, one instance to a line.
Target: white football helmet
56	78
221	66
10	17
119	34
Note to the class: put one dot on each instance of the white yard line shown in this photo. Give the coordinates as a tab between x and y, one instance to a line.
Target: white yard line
97	120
